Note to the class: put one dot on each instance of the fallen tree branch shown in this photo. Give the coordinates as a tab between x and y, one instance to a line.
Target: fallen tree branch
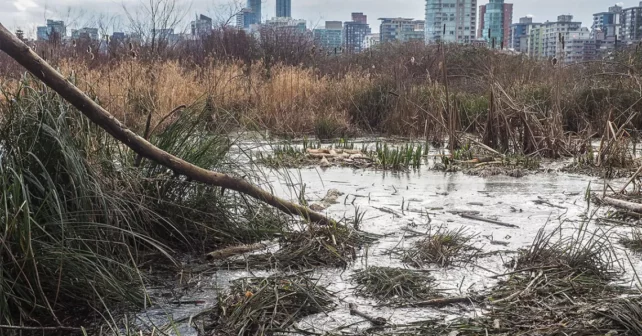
631	206
22	54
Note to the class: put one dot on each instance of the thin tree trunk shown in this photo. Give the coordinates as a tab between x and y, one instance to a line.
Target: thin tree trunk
626	205
20	52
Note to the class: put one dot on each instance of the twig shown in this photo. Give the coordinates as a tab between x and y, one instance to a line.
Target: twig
524	270
438	302
631	179
485	147
541	201
487	220
59	328
378	321
517	294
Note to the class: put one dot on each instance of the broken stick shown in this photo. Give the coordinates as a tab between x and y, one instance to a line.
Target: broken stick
37	66
637	173
439	302
482	219
378	321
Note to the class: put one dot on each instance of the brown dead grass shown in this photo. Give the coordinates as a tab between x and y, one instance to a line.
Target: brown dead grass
395	90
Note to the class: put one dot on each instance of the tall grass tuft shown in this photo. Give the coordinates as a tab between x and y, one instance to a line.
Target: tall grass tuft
79	216
399	158
72	229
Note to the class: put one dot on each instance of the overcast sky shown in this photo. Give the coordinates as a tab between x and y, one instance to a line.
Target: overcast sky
27	14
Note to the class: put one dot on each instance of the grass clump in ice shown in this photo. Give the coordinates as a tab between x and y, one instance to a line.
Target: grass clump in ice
560	286
262	306
394	284
316	246
585	253
443	247
633	241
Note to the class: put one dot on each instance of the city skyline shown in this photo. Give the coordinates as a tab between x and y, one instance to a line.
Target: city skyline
27	14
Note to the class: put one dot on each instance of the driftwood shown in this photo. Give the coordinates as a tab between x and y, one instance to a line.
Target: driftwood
22	54
631	206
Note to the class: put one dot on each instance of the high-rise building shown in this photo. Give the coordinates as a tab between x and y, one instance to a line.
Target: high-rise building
580	49
495	22
482	22
201	26
42	33
632	23
518	38
330	38
334	25
284	8
57	27
372	40
255	14
53	28
401	30
608	23
244	18
285	30
534	41
282	22
359	18
508	20
561	39
450	21
355	32
118	36
85	34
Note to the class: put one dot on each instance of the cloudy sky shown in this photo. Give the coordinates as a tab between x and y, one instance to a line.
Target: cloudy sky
26	14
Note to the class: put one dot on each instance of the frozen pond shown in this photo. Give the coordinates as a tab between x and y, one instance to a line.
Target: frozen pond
397	206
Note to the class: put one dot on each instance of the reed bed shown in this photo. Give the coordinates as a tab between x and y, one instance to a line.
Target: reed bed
81	212
514	104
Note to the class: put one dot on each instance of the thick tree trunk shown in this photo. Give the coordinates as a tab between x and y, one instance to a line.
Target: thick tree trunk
20	52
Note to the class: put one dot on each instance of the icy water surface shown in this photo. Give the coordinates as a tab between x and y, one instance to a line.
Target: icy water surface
397	205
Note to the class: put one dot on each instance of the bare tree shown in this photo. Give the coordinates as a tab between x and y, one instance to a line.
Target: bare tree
224	14
154	20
